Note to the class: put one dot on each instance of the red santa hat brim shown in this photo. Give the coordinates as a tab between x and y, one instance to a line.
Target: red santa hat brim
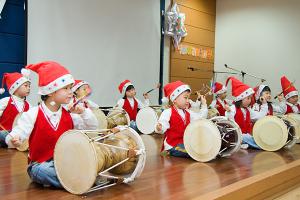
178	91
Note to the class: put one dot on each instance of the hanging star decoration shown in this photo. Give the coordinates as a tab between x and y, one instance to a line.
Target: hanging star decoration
175	25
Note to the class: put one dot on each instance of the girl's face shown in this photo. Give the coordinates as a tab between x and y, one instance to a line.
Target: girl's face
63	95
82	91
131	93
293	100
267	95
23	91
223	96
182	101
246	101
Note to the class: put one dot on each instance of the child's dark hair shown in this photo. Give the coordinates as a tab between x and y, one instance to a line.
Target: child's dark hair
238	104
44	97
127	89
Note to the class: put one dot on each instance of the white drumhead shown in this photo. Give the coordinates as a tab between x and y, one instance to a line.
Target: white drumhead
75	162
202	140
146	120
102	121
118	111
270	133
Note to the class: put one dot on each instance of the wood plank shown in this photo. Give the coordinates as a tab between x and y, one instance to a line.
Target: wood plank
199	36
198	19
200	5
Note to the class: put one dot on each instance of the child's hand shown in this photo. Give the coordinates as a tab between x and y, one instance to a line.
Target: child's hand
159	127
77	109
280	98
115	130
198	95
16	141
227	108
203	100
146	96
263	100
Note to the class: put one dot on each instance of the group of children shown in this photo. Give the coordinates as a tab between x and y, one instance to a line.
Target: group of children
64	106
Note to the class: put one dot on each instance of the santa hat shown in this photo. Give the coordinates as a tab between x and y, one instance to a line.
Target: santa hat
52	76
174	89
123	86
219	88
78	84
257	91
288	88
239	89
13	81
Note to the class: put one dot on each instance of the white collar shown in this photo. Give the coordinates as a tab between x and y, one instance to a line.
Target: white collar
292	105
48	112
18	99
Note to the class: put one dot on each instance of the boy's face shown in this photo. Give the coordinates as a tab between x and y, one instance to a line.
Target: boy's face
63	95
267	95
246	101
131	93
23	90
293	100
223	95
83	91
182	101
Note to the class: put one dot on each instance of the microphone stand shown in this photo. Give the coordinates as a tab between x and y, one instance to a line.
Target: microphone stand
245	73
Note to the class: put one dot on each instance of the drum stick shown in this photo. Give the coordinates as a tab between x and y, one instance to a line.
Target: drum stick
79	100
289	86
157	86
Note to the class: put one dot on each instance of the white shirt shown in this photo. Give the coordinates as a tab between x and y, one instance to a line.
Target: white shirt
222	102
165	116
195	104
17	101
120	103
25	124
254	114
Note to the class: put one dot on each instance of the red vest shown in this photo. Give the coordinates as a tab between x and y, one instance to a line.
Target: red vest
43	137
245	124
220	107
174	135
132	112
289	109
10	113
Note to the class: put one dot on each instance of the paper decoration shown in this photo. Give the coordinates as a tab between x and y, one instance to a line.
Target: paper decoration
175	25
204	53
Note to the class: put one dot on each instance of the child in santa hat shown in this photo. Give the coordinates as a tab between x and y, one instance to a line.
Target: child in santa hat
241	112
220	102
129	103
263	105
173	121
45	123
18	86
81	89
291	95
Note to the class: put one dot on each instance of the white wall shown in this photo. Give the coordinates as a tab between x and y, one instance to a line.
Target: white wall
100	41
259	37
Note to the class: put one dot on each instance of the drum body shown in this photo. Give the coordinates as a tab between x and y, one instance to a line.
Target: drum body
117	117
102	120
272	133
147	119
295	117
82	157
206	139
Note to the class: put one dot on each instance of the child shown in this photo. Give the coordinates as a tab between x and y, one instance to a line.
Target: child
80	89
129	103
240	112
263	102
45	123
10	107
173	121
291	95
220	102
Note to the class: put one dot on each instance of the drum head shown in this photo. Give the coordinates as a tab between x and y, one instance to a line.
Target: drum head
212	112
202	140
24	146
115	115
146	120
75	162
270	133
101	118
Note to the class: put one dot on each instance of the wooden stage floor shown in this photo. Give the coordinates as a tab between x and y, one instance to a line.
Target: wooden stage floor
162	178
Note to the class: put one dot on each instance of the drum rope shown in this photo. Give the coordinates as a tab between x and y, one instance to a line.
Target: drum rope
101	187
96	139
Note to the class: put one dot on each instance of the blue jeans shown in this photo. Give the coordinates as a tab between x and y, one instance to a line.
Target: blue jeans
248	139
3	135
43	173
133	126
179	151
